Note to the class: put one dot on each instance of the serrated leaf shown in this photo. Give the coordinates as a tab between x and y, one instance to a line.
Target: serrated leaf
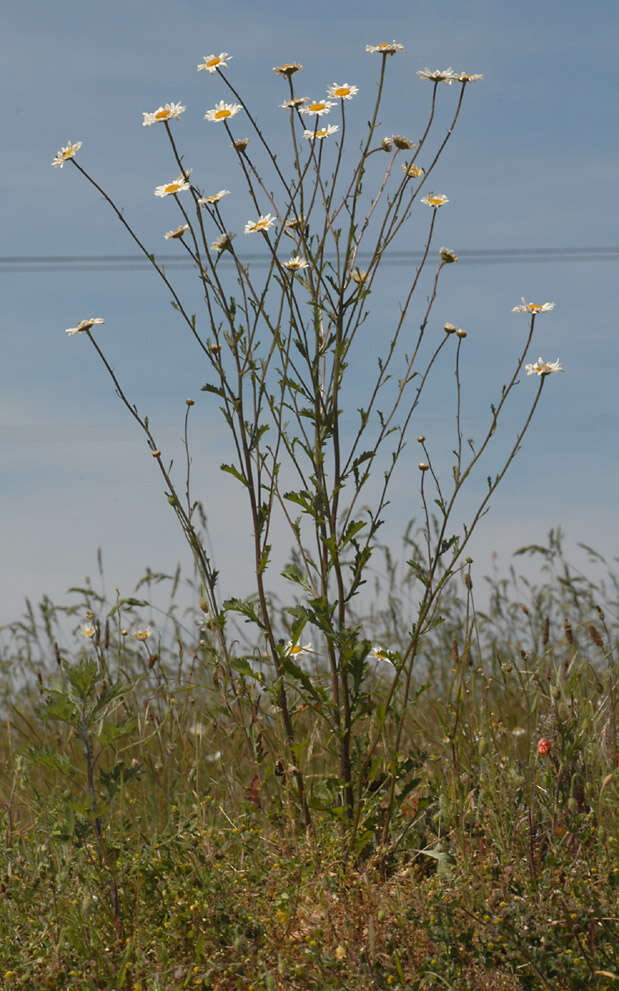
231	470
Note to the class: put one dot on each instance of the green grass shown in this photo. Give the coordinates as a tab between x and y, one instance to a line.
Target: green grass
501	872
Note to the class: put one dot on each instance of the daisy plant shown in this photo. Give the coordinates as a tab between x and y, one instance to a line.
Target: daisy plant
319	384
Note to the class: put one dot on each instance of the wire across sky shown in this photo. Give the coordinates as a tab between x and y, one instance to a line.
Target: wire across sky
475	256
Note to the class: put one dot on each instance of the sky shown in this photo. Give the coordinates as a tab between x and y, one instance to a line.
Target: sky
532	165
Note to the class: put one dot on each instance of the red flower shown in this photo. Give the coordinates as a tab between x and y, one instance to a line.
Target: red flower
543	747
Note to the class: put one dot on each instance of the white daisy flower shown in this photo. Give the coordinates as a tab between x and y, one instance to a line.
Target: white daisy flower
287	69
296	263
214	197
381	655
318	108
385	48
263	223
359	275
222	111
214	62
297	649
323	133
84	325
143	634
66	153
88	630
178	185
533	307
435	200
447	75
541	367
412	171
448	256
342	92
468	77
171	111
177	232
401	142
223	241
295	101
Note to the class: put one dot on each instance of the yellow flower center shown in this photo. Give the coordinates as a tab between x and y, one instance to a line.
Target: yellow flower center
162	115
342	91
220	114
213	62
316	106
173	187
535	307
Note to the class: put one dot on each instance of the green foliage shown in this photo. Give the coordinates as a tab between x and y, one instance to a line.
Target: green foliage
500	868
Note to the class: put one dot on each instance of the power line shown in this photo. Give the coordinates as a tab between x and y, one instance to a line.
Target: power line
475	256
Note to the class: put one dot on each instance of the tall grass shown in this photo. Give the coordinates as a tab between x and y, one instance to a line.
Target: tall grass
142	849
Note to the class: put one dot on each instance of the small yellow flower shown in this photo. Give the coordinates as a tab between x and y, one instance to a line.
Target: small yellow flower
323	133
66	153
178	185
212	63
263	223
412	171
83	325
435	200
171	111
222	111
177	232
214	197
385	48
342	92
318	108
287	69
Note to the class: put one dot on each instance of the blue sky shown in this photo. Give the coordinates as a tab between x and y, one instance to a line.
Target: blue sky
533	164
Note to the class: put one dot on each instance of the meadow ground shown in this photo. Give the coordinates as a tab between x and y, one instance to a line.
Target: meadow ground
144	847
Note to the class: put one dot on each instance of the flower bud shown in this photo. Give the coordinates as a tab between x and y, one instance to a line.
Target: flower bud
449	328
448	256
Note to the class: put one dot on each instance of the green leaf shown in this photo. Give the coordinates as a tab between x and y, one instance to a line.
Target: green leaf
47	757
294	574
231	470
217	390
245	607
83	676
